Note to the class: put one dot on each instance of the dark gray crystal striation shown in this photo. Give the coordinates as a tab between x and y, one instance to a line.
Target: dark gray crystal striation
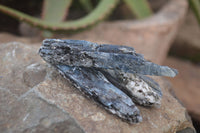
95	85
111	75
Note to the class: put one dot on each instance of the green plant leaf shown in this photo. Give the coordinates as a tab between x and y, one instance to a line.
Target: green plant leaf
140	8
103	9
54	11
195	5
87	5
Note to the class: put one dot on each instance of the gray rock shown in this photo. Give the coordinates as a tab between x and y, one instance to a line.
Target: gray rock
15	57
32	114
53	104
34	74
21	109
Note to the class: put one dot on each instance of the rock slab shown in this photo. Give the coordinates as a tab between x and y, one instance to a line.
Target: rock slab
186	84
35	98
21	109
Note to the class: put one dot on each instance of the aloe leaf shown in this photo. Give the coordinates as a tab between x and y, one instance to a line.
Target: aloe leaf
140	8
102	10
54	11
195	5
87	5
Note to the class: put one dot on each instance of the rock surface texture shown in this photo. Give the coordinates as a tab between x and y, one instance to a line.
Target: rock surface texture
35	98
186	85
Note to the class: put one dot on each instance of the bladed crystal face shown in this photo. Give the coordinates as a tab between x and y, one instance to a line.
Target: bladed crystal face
111	75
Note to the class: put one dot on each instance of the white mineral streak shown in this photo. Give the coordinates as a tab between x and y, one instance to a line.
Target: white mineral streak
34	67
98	117
26	116
141	90
126	50
13	53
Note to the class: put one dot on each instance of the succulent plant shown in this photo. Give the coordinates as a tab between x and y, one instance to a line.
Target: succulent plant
54	12
195	5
